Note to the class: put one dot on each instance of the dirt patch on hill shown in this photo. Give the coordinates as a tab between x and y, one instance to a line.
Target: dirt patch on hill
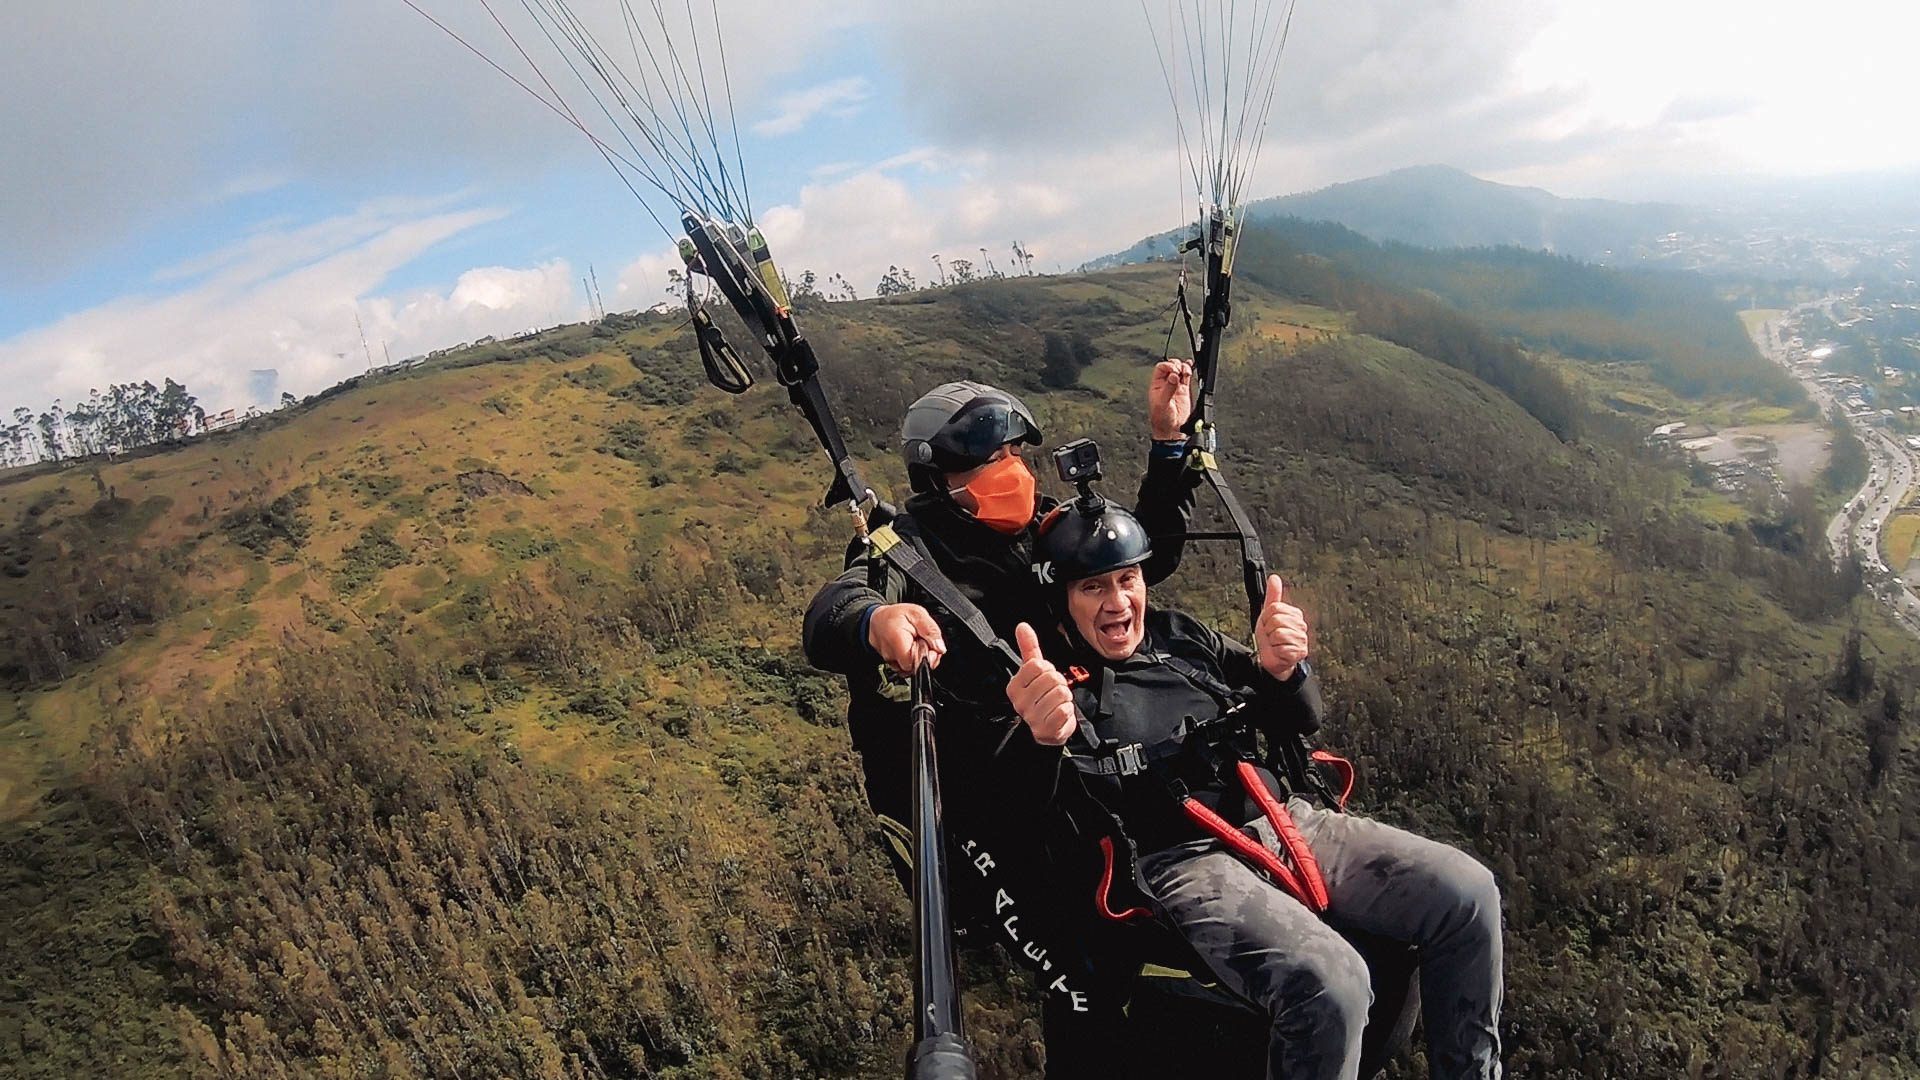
482	482
1798	451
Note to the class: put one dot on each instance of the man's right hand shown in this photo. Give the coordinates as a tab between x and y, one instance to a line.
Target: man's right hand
902	634
1040	694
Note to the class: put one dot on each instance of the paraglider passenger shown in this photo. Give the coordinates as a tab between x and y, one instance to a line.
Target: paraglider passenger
1228	849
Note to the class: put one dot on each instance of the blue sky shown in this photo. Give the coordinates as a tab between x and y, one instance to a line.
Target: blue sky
198	191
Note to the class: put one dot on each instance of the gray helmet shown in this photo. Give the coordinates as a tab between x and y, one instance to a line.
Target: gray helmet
1089	537
957	426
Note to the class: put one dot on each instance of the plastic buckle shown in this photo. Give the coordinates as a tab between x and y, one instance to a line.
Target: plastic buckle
1131	758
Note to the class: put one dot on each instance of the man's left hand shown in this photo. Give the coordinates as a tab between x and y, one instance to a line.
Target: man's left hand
1281	632
1170	398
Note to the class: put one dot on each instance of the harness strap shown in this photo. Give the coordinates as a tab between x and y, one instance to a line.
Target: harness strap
1343	767
890	545
1253	558
1289	832
812	401
1101	896
751	284
1227	696
1241	845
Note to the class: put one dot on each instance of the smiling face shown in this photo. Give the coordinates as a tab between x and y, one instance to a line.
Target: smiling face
1110	611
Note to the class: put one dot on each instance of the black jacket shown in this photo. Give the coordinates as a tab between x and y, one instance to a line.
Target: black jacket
995	572
1183	675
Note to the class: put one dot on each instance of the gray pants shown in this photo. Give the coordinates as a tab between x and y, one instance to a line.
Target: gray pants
1266	946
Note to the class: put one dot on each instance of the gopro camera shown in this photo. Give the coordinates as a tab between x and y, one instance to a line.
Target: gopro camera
1078	462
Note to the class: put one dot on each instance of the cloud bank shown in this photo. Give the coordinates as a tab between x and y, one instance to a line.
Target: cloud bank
287	300
980	124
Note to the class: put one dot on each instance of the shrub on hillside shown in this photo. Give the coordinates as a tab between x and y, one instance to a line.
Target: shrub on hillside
259	527
367	557
627	440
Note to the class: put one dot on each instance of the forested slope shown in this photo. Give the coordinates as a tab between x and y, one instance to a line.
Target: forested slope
455	724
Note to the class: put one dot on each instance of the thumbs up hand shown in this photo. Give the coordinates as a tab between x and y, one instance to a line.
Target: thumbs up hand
1280	635
1040	694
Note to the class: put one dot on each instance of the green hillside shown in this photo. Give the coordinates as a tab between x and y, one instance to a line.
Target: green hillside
455	724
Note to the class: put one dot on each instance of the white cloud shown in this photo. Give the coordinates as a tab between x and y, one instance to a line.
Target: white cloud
120	117
1059	135
490	300
794	111
287	299
643	282
902	211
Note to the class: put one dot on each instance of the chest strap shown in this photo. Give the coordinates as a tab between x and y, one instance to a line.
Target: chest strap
1123	761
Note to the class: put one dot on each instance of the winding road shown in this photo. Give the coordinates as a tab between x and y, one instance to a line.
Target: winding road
1890	476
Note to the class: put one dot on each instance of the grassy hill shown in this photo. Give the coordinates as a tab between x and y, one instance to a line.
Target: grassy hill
454	723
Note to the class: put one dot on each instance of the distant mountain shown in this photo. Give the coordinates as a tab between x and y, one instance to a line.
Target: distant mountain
1439	207
1823	231
1435	206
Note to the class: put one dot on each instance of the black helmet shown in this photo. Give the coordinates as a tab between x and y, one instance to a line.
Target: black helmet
1086	538
957	426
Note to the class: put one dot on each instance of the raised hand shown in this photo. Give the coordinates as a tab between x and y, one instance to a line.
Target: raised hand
1170	398
1280	634
902	634
1040	694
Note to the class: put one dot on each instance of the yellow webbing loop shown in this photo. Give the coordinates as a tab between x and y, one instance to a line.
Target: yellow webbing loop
899	837
1161	971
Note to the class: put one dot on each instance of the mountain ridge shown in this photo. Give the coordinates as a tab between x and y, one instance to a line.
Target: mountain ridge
1439	206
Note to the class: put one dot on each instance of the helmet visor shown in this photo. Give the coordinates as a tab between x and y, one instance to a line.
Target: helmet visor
979	430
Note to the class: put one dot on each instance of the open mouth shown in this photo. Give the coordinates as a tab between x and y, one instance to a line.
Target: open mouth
1115	631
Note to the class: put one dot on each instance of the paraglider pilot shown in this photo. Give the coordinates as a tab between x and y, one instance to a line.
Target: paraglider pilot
973	514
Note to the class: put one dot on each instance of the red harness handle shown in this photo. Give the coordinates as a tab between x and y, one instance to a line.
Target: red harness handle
1290	836
1345	769
1308	886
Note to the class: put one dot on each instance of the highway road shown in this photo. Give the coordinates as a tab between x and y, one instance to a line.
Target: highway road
1891	474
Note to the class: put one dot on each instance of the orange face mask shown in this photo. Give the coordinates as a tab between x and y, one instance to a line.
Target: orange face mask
1003	494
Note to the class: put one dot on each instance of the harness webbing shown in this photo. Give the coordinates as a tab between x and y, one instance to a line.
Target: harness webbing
1102	896
1345	768
895	549
1306	885
1202	432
